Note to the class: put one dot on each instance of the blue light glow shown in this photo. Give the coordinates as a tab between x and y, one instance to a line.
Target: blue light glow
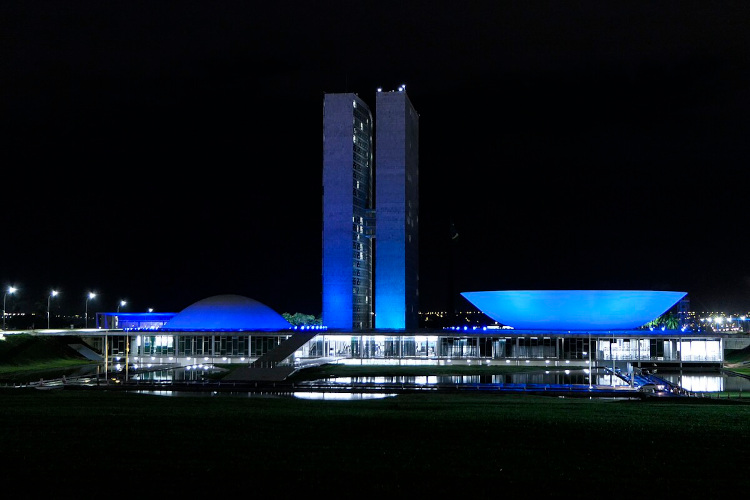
227	312
573	309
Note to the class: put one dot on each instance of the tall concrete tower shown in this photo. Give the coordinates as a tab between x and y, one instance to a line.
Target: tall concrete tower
396	211
347	210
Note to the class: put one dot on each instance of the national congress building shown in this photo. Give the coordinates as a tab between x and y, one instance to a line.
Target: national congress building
370	284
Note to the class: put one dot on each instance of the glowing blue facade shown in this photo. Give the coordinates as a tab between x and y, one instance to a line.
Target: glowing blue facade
359	275
347	208
396	211
133	321
573	309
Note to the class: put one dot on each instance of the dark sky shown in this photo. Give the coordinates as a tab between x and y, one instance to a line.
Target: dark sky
164	152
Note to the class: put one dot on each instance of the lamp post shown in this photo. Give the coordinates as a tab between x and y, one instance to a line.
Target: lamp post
10	290
90	296
52	294
122	303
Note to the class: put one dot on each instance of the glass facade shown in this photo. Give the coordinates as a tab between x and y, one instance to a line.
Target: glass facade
489	347
661	349
361	211
233	347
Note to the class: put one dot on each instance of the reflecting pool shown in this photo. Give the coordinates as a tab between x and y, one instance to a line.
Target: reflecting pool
696	382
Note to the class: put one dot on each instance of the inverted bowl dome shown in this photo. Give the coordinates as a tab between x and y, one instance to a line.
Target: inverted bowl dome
227	312
573	309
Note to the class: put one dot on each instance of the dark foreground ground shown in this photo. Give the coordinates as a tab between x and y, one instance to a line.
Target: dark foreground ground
112	443
116	443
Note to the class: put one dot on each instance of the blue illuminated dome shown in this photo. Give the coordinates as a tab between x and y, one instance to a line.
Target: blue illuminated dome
573	309
227	312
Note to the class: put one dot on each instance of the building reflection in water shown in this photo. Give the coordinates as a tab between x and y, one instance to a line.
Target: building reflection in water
691	381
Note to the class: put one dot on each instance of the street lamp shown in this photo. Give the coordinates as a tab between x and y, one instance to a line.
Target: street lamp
52	294
91	295
122	303
10	290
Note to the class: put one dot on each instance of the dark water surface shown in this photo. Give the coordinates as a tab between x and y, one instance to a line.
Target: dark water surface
697	382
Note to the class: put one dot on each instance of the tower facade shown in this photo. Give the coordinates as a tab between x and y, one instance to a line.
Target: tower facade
347	208
396	211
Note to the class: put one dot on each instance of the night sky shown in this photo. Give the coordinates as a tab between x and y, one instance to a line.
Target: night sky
165	152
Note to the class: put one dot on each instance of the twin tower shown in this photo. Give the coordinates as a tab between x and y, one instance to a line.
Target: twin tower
370	212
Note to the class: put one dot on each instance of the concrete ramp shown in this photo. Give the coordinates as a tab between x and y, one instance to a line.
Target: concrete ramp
87	352
270	367
284	350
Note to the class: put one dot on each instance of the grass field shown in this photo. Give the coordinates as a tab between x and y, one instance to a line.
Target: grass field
88	440
104	442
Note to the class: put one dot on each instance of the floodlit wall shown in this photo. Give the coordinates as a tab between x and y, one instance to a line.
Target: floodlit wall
397	212
347	201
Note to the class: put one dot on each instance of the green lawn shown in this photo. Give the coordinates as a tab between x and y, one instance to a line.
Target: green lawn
423	444
27	358
98	441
